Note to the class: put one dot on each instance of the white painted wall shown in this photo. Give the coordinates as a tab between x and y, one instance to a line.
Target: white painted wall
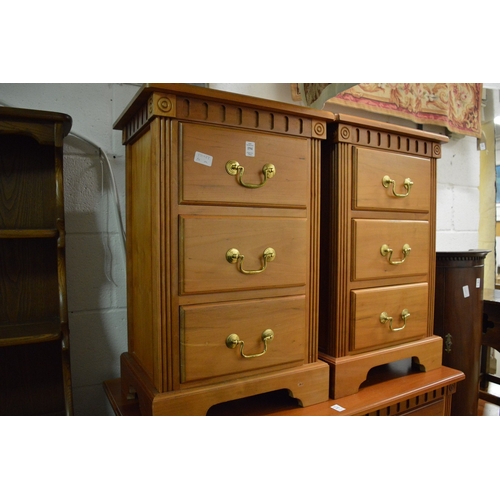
95	254
458	195
274	91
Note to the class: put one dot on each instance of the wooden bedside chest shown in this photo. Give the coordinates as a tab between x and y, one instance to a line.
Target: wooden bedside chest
222	249
378	249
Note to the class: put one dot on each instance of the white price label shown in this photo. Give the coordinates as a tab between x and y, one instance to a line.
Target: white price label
337	408
249	148
203	158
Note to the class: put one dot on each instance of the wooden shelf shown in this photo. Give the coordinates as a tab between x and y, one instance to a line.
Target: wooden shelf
28	233
30	333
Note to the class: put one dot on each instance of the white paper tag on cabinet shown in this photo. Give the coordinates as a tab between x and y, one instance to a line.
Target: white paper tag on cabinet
337	408
203	158
466	291
249	148
478	282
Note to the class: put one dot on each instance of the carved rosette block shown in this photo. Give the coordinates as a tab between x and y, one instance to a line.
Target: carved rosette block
162	105
318	130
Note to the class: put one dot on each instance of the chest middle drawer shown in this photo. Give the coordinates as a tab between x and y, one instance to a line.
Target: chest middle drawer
389	248
220	254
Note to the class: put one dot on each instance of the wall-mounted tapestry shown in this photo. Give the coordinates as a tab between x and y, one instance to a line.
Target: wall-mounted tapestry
456	106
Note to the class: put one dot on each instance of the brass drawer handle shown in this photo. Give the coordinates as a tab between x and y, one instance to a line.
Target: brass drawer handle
233	256
408	183
384	317
234	168
386	251
233	340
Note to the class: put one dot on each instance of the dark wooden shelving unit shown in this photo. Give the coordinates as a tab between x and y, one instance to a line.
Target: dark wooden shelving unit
35	374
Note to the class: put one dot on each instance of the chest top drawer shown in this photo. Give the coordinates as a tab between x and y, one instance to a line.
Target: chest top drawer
390	181
264	169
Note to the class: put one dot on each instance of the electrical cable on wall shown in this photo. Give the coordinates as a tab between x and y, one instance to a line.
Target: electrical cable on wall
103	158
107	250
102	155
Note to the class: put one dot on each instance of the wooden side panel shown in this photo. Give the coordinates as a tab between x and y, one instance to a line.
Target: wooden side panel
335	234
432	246
148	251
340	243
314	262
139	249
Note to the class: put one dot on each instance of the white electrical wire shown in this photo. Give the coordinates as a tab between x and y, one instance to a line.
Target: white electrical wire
111	175
107	251
102	155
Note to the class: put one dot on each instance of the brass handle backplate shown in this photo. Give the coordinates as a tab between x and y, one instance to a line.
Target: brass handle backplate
234	168
448	342
233	340
233	256
408	183
387	252
384	318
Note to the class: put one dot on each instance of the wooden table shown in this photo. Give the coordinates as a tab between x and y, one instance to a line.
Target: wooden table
389	391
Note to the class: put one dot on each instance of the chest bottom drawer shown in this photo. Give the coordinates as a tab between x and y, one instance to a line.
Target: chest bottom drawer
388	315
207	352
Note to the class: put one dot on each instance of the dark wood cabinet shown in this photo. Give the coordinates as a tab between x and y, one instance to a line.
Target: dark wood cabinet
458	319
35	376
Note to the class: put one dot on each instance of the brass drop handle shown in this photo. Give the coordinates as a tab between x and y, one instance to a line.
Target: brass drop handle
233	256
386	251
408	183
384	318
233	340
234	168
